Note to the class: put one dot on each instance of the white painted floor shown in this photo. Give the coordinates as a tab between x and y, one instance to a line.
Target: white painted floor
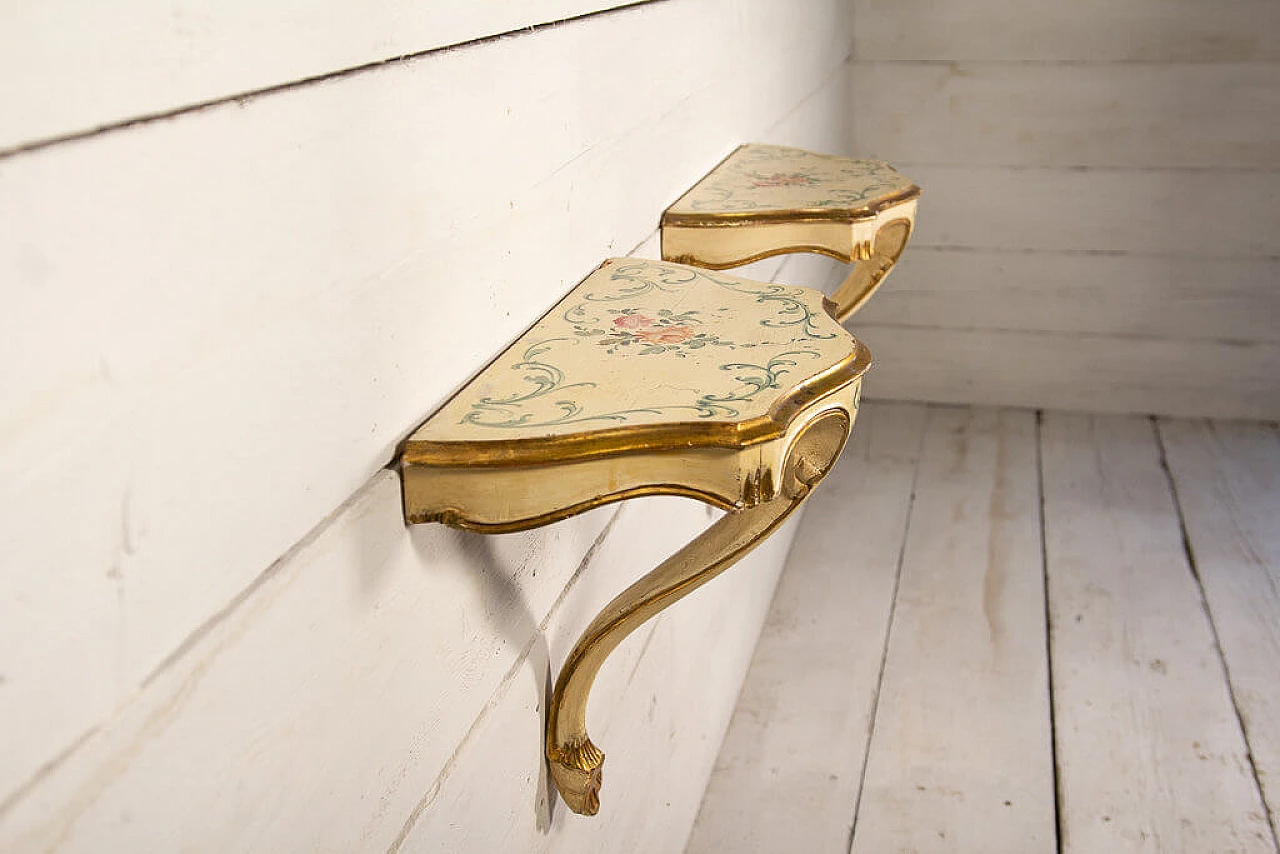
1010	631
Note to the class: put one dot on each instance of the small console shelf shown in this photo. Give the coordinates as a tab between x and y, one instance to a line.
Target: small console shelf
767	200
657	377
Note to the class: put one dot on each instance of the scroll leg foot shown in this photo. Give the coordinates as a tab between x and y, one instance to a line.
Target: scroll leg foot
575	761
576	770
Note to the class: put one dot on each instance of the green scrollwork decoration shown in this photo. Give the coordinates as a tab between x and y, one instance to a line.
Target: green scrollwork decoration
793	311
755	379
547	379
840	181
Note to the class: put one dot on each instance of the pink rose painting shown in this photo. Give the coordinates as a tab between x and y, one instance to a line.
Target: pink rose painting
665	334
668	332
782	179
633	321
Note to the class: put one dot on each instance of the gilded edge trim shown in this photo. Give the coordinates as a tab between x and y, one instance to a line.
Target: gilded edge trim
536	450
790	249
455	518
730	218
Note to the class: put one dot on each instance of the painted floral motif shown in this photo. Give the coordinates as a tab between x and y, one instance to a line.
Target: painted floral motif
750	380
649	342
631	330
669	332
632	319
808	180
782	179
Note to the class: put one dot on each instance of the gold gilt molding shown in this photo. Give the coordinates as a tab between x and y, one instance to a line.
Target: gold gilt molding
576	763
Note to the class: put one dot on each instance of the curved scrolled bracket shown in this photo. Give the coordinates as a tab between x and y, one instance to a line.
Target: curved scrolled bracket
874	261
761	386
575	761
873	246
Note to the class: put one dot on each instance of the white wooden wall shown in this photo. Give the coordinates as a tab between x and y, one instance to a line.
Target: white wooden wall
242	253
1101	195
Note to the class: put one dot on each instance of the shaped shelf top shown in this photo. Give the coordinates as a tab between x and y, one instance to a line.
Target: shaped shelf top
772	182
643	355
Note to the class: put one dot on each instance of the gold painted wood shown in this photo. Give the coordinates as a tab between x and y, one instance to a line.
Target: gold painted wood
765	200
648	378
575	761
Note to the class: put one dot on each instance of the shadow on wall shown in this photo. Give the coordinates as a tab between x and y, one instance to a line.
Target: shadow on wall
501	566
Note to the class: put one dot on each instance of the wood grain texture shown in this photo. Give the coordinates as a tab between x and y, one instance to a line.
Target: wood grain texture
1150	753
69	66
1111	331
1071	371
1123	294
1100	171
222	324
347	675
660	709
1178	212
1142	115
1082	31
383	688
1112	223
961	754
1227	483
789	769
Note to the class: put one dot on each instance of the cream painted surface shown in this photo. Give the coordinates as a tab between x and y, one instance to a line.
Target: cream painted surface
68	66
644	342
1100	186
761	178
227	320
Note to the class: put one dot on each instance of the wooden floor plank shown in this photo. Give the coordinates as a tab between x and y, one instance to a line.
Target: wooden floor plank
1227	482
788	773
960	756
1150	753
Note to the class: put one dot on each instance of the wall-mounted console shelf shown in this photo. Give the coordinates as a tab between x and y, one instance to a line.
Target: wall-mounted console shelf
765	200
655	377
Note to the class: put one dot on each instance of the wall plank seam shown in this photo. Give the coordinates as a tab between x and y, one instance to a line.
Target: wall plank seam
509	678
310	80
1104	253
1059	63
188	643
